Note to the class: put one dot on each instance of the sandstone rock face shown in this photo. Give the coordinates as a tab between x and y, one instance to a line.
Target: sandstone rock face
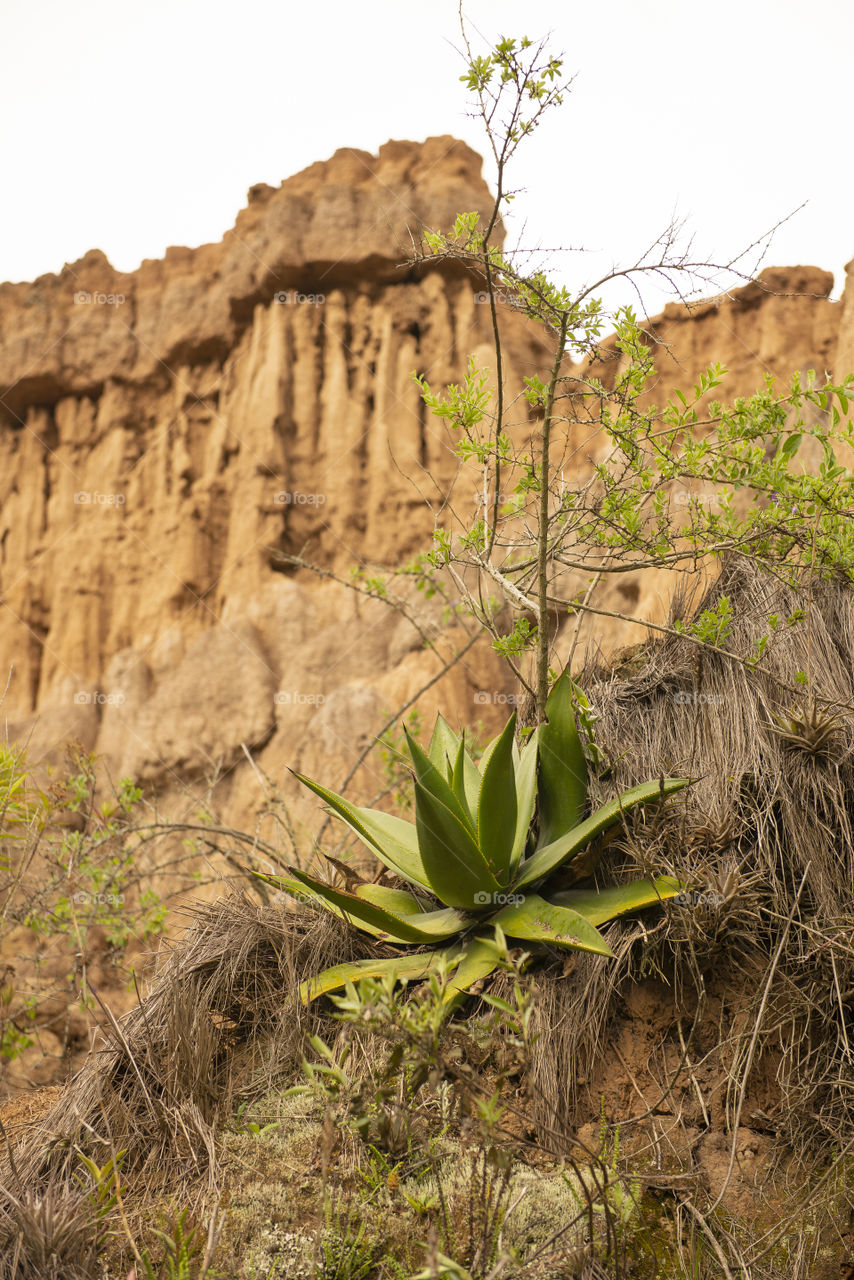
339	222
168	433
845	343
218	696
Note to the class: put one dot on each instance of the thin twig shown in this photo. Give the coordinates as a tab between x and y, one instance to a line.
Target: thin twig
709	1234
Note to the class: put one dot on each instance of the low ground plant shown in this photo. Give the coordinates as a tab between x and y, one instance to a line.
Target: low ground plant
486	840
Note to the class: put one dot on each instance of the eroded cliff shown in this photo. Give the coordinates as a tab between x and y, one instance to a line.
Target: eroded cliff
169	432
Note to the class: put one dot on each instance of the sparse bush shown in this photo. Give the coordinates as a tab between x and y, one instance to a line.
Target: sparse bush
92	877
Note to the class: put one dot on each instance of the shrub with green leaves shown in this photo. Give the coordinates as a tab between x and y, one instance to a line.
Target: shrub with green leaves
91	869
21	804
486	841
63	877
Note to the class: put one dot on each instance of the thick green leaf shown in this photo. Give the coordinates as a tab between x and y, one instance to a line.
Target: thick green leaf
562	790
462	788
392	839
434	781
497	810
471	775
486	754
434	926
444	746
332	979
287	884
599	905
431	926
551	856
398	901
526	796
457	871
480	957
536	920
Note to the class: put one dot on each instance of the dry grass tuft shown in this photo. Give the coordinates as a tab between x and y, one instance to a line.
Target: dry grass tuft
764	836
222	1015
49	1236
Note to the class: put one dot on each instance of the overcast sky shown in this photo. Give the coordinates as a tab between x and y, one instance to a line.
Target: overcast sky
129	128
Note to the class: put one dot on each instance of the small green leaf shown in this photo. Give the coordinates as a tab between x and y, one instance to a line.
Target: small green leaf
791	445
441	1266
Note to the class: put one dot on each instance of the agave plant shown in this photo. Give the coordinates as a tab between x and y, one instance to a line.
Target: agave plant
810	730
487	838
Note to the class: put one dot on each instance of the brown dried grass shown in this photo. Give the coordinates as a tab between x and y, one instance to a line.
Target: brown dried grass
222	1017
764	817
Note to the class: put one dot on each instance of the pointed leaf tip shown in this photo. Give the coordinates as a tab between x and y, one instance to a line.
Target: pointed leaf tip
497	809
562	774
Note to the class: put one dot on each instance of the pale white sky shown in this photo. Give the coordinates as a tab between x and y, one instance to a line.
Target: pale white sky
131	127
